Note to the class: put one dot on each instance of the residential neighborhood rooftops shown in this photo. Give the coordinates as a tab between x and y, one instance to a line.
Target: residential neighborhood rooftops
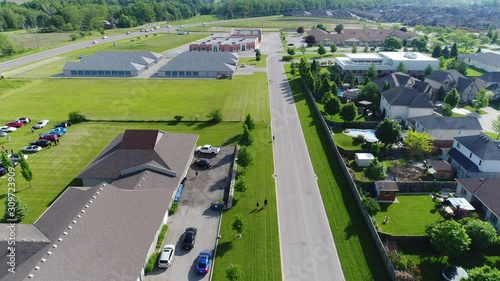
410	97
122	61
432	122
482	146
442	75
491	77
360	34
464	161
486	190
487	58
407	56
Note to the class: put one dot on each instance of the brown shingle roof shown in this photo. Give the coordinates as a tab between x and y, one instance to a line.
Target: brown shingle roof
387	185
139	139
486	190
440	165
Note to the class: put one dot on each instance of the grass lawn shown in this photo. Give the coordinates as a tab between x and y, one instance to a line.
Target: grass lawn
471	109
253	62
454	114
472	71
291	23
329	55
358	256
137	99
359	171
346	142
409	216
492	135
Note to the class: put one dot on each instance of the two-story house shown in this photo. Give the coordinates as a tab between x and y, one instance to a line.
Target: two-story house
402	79
449	79
475	156
491	83
402	103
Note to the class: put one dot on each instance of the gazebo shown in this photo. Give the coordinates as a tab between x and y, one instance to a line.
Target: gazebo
364	105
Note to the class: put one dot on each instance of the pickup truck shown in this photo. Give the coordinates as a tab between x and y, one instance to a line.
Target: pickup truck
208	149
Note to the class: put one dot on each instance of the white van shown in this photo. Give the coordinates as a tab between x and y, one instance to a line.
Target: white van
166	256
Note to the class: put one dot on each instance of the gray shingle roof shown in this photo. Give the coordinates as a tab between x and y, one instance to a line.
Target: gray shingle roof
202	61
488	58
410	97
486	190
464	161
432	122
363	35
401	79
438	76
125	61
103	65
482	146
491	77
463	83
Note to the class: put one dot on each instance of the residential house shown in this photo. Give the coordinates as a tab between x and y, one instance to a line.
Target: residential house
484	192
402	79
488	61
444	129
442	169
82	234
449	79
225	44
200	65
111	64
402	103
491	83
475	156
358	37
386	190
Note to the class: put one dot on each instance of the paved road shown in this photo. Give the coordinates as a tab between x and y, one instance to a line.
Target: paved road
307	248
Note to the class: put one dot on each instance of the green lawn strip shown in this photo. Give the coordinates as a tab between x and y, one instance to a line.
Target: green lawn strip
317	56
137	99
291	23
358	255
359	171
472	109
492	135
454	114
346	142
198	19
161	236
472	71
409	216
253	62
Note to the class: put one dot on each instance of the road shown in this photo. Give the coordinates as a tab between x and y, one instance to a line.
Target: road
307	247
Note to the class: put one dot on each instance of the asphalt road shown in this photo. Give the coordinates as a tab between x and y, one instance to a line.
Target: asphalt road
307	247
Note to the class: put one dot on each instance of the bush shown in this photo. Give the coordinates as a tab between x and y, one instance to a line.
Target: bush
76	117
287	58
239	223
370	205
375	148
178	118
173	208
161	236
73	37
215	115
151	263
241	184
361	138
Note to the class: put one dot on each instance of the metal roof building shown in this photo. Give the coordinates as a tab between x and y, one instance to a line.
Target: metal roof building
200	65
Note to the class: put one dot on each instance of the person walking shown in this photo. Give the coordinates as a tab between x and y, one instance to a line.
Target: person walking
8	138
257	204
273	138
265	202
32	130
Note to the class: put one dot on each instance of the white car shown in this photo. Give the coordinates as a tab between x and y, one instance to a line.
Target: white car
41	124
7	129
31	148
208	149
128	32
16	157
104	37
3	134
95	42
166	256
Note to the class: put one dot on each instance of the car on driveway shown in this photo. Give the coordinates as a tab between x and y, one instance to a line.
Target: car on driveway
189	238
15	124
203	163
64	124
41	124
42	143
31	148
50	137
7	129
166	256
204	261
208	149
25	120
14	163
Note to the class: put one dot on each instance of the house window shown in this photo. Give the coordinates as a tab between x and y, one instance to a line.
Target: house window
458	145
87	72
174	73
121	73
114	73
189	73
181	73
463	192
470	155
100	72
127	73
493	219
387	193
80	72
107	73
73	72
196	73
480	162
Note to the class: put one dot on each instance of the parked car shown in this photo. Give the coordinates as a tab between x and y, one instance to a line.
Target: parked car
31	148
63	124
14	163
42	143
203	163
2	134
41	124
204	261
454	273
243	65
166	256
3	171
25	120
57	132
128	32
16	157
7	129
104	37
189	238
50	137
208	149
95	42
217	205
15	124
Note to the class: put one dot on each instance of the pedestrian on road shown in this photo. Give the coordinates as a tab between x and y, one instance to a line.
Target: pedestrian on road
265	202
257	204
273	138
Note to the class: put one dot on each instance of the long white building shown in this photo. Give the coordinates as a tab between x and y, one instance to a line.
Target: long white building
385	62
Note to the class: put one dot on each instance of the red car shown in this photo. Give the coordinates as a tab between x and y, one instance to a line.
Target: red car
15	124
49	137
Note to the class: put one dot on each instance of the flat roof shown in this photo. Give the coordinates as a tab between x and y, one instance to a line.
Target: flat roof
462	203
407	56
364	56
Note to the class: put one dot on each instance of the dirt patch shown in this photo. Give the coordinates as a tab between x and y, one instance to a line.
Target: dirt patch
406	173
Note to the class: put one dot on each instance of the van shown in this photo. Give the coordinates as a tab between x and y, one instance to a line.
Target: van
166	256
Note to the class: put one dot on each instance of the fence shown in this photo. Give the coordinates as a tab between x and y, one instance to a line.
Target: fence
426	186
357	196
229	202
159	118
358	125
420	241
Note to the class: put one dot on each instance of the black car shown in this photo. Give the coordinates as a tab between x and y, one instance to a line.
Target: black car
42	143
14	163
64	124
189	238
2	171
204	163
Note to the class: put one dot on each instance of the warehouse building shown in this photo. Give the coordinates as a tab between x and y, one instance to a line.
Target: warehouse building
200	65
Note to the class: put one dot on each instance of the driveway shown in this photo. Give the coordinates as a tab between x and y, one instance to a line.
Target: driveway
194	210
487	119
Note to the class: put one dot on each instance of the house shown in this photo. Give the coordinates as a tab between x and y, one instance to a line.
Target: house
488	61
225	44
449	79
248	33
89	225
200	65
386	190
442	169
491	83
485	193
385	62
403	103
358	37
363	159
402	79
111	64
444	129
475	156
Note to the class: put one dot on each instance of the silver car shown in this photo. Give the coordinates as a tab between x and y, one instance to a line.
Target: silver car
166	256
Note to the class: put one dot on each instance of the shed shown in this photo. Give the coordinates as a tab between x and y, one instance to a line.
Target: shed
443	169
363	159
386	190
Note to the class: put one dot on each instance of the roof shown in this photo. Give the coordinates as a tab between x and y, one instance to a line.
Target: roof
440	165
246	31
461	203
402	96
486	190
463	83
462	160
118	61
224	40
202	61
492	77
401	79
433	122
368	156
489	58
387	185
442	75
407	56
364	35
482	146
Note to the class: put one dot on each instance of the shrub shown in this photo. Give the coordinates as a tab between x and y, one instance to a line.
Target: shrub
375	148
403	276
173	208
76	117
361	138
73	37
241	184
215	115
161	236
233	272
287	58
151	263
178	118
370	205
239	223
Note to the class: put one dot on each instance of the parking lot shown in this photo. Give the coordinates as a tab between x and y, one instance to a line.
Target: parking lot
194	211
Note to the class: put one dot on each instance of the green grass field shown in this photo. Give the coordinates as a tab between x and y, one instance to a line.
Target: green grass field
358	255
291	23
253	62
492	135
409	216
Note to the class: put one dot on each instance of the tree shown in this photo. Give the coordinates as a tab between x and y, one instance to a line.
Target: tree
6	46
349	112
333	105
76	117
448	237
239	223
490	32
333	48
428	70
481	233
454	51
5	160
25	169
419	141
310	40
460	66
401	67
257	56
300	30
257	52
482	99
321	50
354	49
388	131
436	53
484	273
370	92
241	184
494	38
339	28
366	80
326	97
392	43
376	171
366	49
215	116
370	205
440	94
452	98
302	49
246	137
446	110
371	72
445	52
245	159
420	43
233	272
15	209
291	51
325	85
249	122
321	26
496	126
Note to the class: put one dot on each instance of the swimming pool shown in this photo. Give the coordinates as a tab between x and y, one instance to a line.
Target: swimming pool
369	134
340	93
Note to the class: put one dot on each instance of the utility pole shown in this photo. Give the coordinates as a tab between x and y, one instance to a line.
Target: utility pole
36	36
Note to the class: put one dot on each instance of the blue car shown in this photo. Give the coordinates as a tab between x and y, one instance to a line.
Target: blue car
56	132
60	129
204	261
